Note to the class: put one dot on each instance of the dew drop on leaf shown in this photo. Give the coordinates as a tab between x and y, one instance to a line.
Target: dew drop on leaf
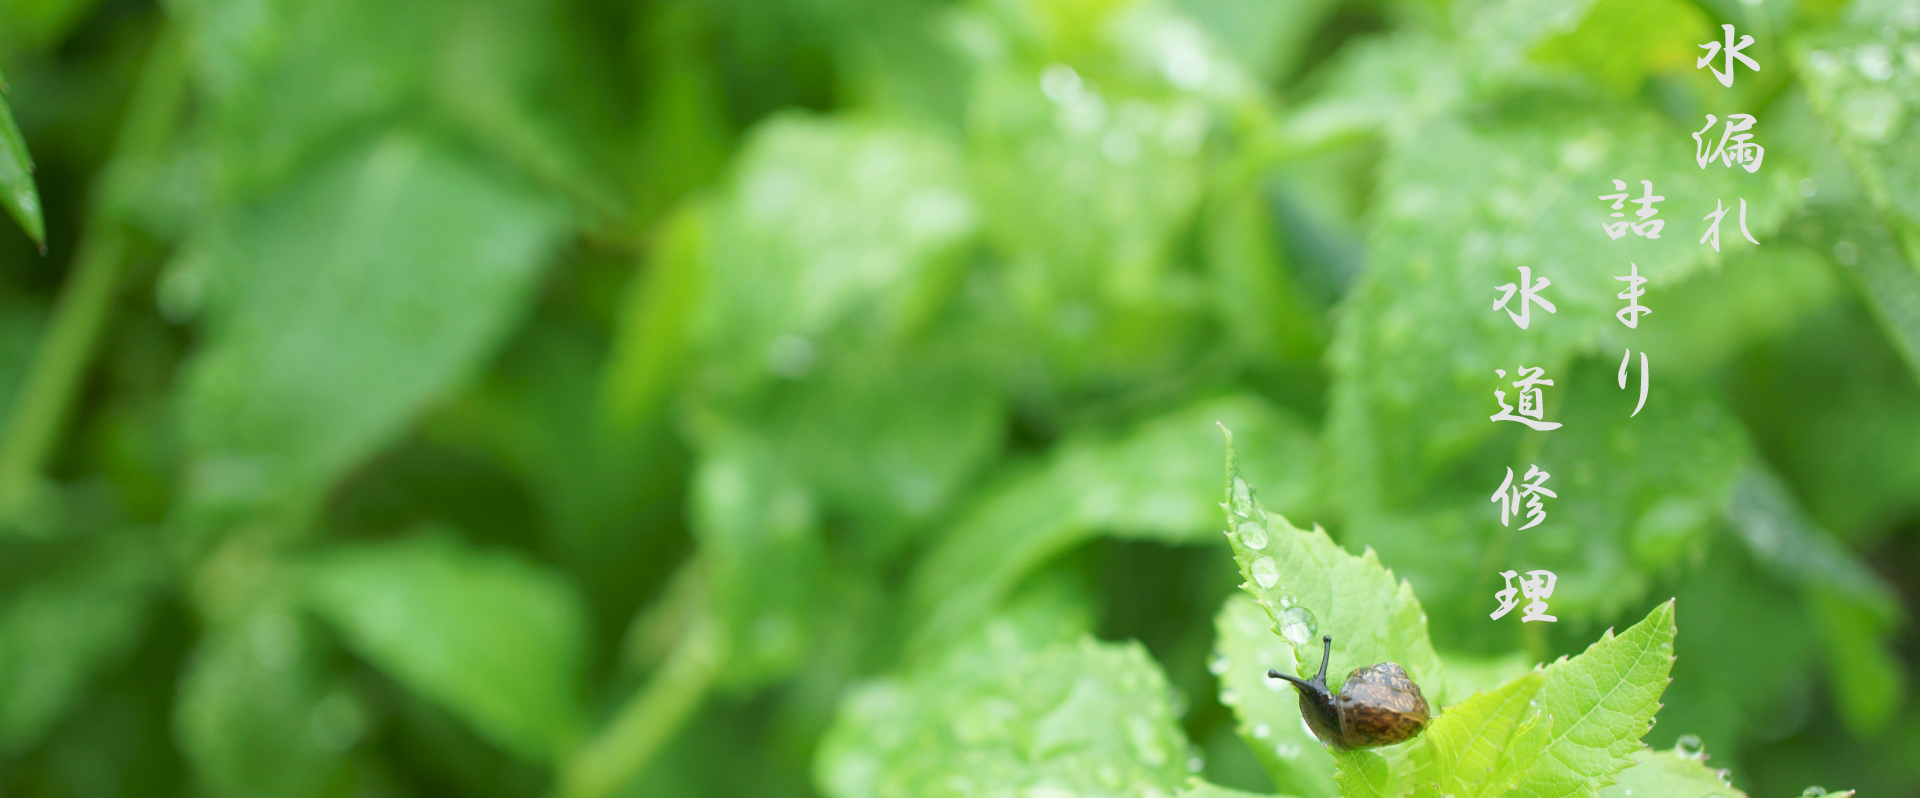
1298	625
1253	536
1690	747
1265	572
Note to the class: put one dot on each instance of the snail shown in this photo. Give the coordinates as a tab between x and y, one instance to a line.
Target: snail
1377	706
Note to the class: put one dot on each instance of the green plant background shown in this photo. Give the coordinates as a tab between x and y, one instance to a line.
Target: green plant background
818	397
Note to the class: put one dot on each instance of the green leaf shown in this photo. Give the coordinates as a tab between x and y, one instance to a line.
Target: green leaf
1095	292
1621	41
1200	789
1363	774
1410	408
1843	226
1887	278
834	232
1499	33
22	322
34	24
1853	76
340	306
1765	516
602	491
1310	587
759	530
1149	484
1259	298
1601	702
1868	105
683	137
1627	514
650	348
1674	774
246	709
498	641
888	441
1482	745
17	191
1855	610
275	104
58	631
1728	684
1433	269
1867	678
1075	718
1267	711
1267	39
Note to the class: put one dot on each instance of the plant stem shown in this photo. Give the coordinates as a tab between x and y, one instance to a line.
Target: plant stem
61	358
60	361
650	718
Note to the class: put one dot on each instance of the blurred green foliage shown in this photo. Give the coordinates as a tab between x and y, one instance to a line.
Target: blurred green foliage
817	397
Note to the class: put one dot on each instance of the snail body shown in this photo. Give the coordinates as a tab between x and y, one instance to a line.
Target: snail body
1377	706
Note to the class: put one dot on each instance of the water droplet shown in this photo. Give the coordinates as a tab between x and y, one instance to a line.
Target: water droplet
1287	750
1689	746
1816	791
1195	764
1726	776
1298	625
1262	731
1242	498
1220	664
1266	572
1253	536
